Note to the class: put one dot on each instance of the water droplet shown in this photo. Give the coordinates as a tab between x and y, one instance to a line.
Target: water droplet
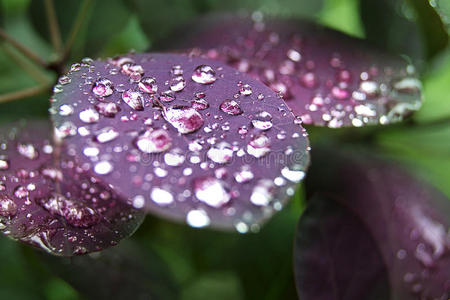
174	158
148	85
262	121
262	193
63	80
66	129
4	164
184	119
65	110
204	74
134	99
27	150
211	191
200	104
370	88
89	116
231	107
21	192
177	84
75	213
259	146
161	196
103	167
106	134
103	87
7	207
167	96
197	218
244	175
292	175
220	153
246	90
294	55
154	141
107	109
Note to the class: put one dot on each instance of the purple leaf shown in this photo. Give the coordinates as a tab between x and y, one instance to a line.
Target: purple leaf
335	255
408	219
123	272
326	77
50	203
208	164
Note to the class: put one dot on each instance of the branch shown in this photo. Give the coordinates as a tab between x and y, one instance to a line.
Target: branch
76	28
26	93
22	48
53	26
34	72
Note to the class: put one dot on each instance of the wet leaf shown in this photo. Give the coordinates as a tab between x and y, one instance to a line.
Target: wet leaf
408	219
186	138
48	202
118	273
335	257
104	20
326	77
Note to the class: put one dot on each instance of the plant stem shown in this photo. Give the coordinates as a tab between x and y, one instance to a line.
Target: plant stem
26	93
76	29
53	26
35	72
22	48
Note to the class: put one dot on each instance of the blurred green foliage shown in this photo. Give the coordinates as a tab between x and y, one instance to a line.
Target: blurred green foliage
217	265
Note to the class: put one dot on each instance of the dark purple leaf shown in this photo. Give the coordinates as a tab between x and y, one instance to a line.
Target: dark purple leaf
209	164
408	219
123	272
326	77
50	203
335	255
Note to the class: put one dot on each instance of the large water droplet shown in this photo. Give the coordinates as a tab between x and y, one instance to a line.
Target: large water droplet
134	99
211	191
154	141
7	207
148	85
28	151
262	121
103	87
204	74
184	119
231	107
75	213
220	153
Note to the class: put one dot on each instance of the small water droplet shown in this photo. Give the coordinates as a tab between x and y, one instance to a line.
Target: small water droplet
106	134
148	85
7	207
89	116
107	109
220	153
174	158
21	192
259	146
161	196
65	110
103	167
177	84
167	96
4	164
204	74
244	175
262	192
197	218
200	104
28	151
246	90
293	175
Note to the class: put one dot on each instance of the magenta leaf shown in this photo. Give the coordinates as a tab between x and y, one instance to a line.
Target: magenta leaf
408	219
123	272
49	202
326	77
335	255
198	141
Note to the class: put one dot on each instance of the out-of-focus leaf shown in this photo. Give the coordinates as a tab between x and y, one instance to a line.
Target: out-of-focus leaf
156	23
105	19
335	256
443	8
326	77
342	15
408	219
436	91
194	139
46	201
389	24
123	272
218	285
